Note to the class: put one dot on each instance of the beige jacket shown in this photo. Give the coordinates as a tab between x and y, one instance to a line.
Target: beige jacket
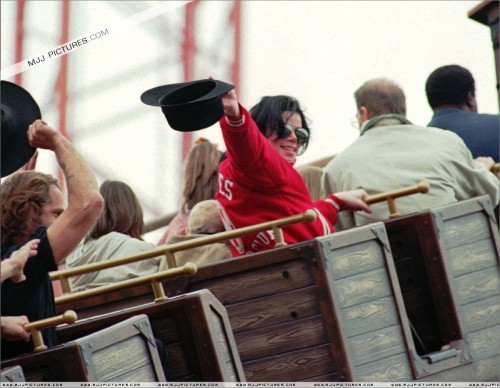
390	155
110	246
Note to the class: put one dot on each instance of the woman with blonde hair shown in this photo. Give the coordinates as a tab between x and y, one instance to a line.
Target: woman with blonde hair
200	183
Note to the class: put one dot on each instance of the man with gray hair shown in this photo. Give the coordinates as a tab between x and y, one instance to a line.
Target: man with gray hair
391	153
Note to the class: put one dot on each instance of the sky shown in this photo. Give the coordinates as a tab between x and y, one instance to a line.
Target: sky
317	51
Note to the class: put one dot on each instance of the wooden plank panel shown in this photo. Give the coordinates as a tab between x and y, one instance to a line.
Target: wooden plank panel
362	288
477	285
484	343
369	316
114	362
293	366
465	230
487	369
140	373
59	363
196	348
274	309
281	338
221	345
328	377
110	301
259	282
355	259
377	345
394	368
481	314
177	361
472	257
12	374
166	329
112	353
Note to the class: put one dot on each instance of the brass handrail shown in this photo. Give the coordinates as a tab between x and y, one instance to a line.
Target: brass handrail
187	269
389	196
35	327
169	249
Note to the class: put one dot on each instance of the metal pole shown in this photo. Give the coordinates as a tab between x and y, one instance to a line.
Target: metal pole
188	54
19	38
235	19
62	79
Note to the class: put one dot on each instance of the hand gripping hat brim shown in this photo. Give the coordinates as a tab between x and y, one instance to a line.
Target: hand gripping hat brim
189	106
18	109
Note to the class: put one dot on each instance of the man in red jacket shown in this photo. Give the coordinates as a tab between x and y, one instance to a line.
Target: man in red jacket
257	180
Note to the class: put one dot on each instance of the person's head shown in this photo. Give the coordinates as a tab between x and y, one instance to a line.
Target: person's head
30	199
377	97
122	212
200	174
312	178
204	218
281	120
451	86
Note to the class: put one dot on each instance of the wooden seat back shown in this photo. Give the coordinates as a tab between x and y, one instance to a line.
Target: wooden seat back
125	351
12	374
282	309
195	329
335	309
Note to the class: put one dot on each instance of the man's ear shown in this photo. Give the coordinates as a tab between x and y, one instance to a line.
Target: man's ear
471	102
363	115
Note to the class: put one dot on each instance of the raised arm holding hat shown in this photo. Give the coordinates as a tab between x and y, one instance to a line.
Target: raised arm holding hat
33	208
257	181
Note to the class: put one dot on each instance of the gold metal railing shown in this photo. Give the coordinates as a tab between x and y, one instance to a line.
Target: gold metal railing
169	250
189	269
390	196
35	327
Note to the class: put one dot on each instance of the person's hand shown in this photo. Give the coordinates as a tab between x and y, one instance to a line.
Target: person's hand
486	161
12	328
40	135
354	200
230	102
17	260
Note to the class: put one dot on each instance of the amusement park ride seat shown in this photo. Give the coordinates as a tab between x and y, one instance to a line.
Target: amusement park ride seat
413	298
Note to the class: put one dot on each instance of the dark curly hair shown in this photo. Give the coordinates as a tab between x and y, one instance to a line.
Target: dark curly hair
23	196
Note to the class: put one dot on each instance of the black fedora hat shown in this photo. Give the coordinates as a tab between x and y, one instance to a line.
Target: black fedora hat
19	110
189	106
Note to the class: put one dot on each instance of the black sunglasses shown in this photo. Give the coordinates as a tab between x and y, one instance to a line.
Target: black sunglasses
301	134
